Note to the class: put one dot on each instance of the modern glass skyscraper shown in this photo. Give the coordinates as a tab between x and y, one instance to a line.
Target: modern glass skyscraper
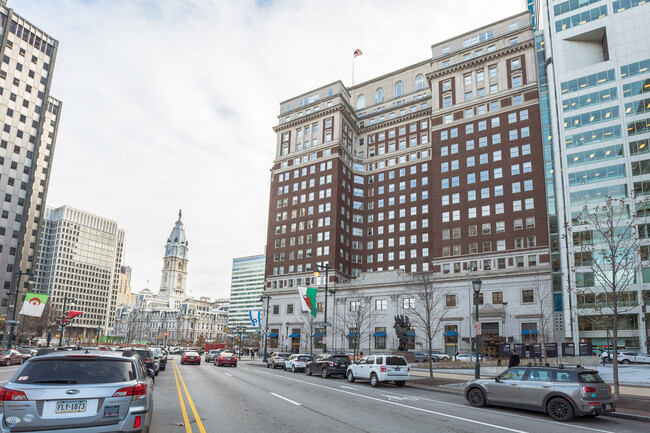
28	126
597	61
246	288
80	258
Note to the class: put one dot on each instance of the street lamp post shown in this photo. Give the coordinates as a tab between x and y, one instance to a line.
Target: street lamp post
326	266
505	320
63	318
286	337
15	295
266	326
476	285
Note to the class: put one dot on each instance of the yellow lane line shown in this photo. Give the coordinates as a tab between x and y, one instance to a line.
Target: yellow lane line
186	419
189	400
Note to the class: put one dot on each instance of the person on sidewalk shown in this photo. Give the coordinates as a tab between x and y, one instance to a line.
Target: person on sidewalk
514	359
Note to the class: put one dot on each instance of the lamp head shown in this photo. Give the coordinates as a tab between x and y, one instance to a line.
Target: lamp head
476	285
316	274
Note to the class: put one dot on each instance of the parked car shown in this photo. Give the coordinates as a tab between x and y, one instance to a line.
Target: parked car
297	362
10	357
276	360
210	355
627	357
191	357
226	358
562	392
328	364
466	357
27	352
380	368
421	356
159	358
439	356
63	390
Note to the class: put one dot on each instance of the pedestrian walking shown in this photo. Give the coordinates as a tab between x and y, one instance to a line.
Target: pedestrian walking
514	359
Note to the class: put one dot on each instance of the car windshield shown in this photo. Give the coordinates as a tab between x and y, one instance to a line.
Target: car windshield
67	371
395	360
6	352
591	377
304	358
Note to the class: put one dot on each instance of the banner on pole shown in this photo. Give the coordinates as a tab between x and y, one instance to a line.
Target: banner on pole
34	304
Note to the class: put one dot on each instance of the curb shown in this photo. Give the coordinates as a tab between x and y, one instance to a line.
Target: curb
628	416
410	384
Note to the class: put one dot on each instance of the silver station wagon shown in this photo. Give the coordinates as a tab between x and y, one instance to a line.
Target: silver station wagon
78	391
561	391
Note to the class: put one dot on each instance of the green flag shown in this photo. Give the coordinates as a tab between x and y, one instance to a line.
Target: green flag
34	304
308	300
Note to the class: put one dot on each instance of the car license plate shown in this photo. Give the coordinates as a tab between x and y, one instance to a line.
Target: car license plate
70	406
111	411
607	406
396	368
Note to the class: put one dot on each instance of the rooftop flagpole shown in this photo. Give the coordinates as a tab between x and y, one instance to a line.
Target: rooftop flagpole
357	53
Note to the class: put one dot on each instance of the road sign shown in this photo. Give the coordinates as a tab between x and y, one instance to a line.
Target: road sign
477	328
15	322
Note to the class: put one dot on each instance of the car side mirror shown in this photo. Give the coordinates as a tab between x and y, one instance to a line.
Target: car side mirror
151	373
496	379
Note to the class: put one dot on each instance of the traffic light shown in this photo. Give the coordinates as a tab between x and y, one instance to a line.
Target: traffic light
187	341
165	336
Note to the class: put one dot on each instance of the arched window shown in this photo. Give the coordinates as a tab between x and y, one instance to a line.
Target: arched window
399	89
419	82
361	102
379	96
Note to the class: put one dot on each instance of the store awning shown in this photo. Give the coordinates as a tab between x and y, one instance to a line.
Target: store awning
274	335
318	334
451	333
379	334
294	335
529	331
411	333
352	335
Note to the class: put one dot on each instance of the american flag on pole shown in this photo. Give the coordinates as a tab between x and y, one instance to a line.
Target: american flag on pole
357	53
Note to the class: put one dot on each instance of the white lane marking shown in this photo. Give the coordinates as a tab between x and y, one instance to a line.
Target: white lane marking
396	398
348	387
498	427
286	399
228	374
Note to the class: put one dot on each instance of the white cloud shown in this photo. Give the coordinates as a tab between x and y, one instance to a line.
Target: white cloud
170	104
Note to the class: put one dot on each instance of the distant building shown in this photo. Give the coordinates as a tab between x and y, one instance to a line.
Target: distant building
28	130
246	287
170	316
79	264
124	295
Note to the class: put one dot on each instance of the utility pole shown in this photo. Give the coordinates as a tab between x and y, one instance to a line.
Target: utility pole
266	326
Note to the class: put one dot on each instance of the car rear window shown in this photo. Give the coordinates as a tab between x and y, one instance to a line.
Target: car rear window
340	359
589	378
304	358
395	360
68	371
190	354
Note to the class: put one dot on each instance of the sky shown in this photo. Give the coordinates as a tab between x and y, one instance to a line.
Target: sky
171	104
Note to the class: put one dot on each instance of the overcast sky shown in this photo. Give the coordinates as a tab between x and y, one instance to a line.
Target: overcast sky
170	104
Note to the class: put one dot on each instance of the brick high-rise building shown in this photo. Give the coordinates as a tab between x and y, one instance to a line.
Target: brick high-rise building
30	119
436	167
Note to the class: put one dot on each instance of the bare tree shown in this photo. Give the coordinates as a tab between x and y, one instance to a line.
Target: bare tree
430	308
356	321
307	328
608	264
34	327
543	308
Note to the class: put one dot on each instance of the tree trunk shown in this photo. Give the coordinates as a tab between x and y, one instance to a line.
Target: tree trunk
430	343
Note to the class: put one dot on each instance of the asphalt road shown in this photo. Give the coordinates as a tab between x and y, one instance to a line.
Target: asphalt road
250	398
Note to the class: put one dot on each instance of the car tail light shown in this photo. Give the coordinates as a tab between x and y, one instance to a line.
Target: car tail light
408	368
589	389
138	421
11	395
138	391
383	369
148	361
593	403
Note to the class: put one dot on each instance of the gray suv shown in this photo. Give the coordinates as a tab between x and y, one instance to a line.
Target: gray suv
561	391
93	392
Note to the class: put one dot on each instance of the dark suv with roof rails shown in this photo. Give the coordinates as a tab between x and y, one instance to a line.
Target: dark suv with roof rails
560	391
328	364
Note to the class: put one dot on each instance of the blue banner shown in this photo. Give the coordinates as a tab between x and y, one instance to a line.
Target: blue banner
256	318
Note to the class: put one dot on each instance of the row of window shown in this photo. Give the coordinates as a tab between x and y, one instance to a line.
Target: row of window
499	208
473	248
488	264
486	228
419	84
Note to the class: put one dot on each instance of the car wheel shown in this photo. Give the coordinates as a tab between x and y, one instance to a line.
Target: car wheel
350	376
155	373
308	371
325	373
374	380
235	365
293	368
400	383
559	409
268	365
626	361
476	397
284	367
273	365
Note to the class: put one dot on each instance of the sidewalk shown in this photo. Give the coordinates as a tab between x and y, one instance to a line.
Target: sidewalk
634	402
